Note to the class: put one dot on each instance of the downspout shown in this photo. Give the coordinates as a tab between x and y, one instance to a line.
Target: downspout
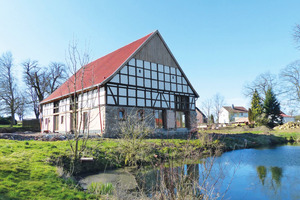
41	121
101	128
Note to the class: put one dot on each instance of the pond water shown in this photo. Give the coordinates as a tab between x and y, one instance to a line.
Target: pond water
266	173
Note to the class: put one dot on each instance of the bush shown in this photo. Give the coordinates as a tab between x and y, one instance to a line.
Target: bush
4	120
100	188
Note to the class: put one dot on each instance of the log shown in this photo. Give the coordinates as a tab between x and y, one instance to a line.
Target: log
87	159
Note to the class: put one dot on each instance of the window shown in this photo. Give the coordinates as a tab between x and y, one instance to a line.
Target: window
56	107
182	102
140	115
158	118
121	115
62	119
180	119
56	123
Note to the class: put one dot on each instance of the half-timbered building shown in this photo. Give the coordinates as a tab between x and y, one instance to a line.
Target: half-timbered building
142	77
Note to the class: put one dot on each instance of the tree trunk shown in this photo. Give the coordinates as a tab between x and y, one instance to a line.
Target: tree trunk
12	121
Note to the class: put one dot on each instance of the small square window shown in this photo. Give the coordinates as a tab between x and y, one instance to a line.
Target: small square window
121	114
140	115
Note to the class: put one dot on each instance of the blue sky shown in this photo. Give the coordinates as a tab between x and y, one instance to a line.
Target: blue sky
219	44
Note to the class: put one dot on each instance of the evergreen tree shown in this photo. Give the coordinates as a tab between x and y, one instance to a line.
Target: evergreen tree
250	116
256	107
212	120
272	109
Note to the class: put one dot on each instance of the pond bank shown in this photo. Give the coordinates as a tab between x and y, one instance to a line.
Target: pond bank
29	168
109	154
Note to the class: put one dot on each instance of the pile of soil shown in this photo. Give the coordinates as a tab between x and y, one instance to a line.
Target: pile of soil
246	128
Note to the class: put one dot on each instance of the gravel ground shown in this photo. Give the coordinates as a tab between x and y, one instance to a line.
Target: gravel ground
27	135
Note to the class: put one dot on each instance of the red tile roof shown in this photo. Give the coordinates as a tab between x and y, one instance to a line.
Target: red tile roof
282	114
98	71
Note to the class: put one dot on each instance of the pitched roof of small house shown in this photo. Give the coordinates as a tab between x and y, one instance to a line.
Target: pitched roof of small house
103	69
199	111
236	109
282	114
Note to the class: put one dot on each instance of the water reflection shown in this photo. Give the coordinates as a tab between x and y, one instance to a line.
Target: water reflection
249	174
273	181
188	181
276	175
173	181
262	173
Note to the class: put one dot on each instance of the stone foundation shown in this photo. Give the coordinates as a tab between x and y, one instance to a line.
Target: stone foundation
112	122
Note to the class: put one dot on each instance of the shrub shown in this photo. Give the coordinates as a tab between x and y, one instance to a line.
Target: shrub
5	120
100	188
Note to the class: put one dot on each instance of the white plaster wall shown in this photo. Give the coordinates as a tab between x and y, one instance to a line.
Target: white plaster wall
288	119
89	102
223	116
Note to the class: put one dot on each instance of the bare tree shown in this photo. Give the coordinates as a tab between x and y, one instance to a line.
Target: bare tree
42	81
206	107
218	103
8	90
133	129
297	35
21	110
261	83
77	63
290	76
56	75
36	81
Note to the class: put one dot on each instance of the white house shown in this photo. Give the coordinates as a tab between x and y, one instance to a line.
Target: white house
233	114
287	118
142	76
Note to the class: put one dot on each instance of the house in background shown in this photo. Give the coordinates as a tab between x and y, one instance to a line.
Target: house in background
233	114
201	118
287	118
141	78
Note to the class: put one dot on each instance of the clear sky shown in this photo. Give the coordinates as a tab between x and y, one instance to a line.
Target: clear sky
220	44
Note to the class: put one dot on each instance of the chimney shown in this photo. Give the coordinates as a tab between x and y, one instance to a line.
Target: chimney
232	106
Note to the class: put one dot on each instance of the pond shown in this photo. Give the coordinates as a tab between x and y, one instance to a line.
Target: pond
266	173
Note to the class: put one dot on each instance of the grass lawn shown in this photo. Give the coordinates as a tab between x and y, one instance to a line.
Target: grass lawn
25	171
8	126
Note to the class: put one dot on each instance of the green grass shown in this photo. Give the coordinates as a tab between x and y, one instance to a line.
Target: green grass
26	173
8	126
27	170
